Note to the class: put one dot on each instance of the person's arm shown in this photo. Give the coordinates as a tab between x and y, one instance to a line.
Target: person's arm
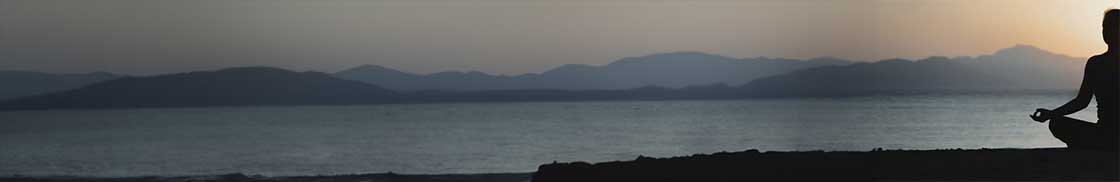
1084	95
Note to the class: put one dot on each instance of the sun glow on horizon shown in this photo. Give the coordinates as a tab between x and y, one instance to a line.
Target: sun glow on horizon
1065	28
516	37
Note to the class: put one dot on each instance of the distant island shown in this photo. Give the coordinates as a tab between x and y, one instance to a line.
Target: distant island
643	78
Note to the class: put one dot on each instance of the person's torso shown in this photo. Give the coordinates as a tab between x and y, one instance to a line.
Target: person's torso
1106	80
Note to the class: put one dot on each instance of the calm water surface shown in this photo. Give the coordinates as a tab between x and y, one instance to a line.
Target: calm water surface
497	137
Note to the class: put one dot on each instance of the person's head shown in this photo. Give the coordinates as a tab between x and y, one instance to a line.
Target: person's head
1111	27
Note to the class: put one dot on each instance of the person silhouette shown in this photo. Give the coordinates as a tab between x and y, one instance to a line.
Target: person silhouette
1101	80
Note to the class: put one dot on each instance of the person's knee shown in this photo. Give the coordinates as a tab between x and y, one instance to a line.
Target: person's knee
1060	131
1065	131
1080	134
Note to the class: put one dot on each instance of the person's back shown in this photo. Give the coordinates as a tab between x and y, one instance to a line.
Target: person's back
1104	73
1102	77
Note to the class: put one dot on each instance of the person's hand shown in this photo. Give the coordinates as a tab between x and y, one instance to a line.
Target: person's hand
1041	115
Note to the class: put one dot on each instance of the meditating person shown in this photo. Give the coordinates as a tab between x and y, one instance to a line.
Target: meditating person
1100	81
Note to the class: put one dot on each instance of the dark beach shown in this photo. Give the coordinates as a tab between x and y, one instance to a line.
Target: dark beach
1048	164
878	165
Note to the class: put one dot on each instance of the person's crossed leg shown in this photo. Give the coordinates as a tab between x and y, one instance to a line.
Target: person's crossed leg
1080	134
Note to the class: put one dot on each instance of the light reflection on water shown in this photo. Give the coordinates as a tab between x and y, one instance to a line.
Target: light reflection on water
497	137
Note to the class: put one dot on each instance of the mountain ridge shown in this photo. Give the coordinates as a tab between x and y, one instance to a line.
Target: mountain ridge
1021	67
246	86
239	86
22	83
672	69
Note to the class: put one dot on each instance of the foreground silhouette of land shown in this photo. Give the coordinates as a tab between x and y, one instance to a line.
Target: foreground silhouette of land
380	177
1054	164
901	165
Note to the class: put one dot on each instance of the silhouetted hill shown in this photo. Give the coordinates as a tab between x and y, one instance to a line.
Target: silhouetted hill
672	70
15	84
1016	68
227	87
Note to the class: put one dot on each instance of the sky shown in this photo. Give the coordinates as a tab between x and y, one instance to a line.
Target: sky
517	36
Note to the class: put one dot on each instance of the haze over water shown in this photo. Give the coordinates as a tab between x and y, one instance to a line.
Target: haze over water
498	137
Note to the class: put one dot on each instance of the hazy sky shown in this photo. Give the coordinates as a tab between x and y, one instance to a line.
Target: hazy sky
517	36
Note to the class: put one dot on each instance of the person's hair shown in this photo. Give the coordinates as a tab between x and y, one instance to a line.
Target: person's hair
1111	26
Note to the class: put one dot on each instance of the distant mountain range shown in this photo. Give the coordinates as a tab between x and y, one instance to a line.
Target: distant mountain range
15	84
672	70
1016	68
227	87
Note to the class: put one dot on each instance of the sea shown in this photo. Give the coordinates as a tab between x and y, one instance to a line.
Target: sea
500	137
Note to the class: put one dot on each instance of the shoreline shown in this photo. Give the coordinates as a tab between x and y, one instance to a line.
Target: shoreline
889	93
239	177
1039	164
1010	164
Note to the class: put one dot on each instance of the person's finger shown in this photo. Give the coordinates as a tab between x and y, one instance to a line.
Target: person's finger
1038	119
